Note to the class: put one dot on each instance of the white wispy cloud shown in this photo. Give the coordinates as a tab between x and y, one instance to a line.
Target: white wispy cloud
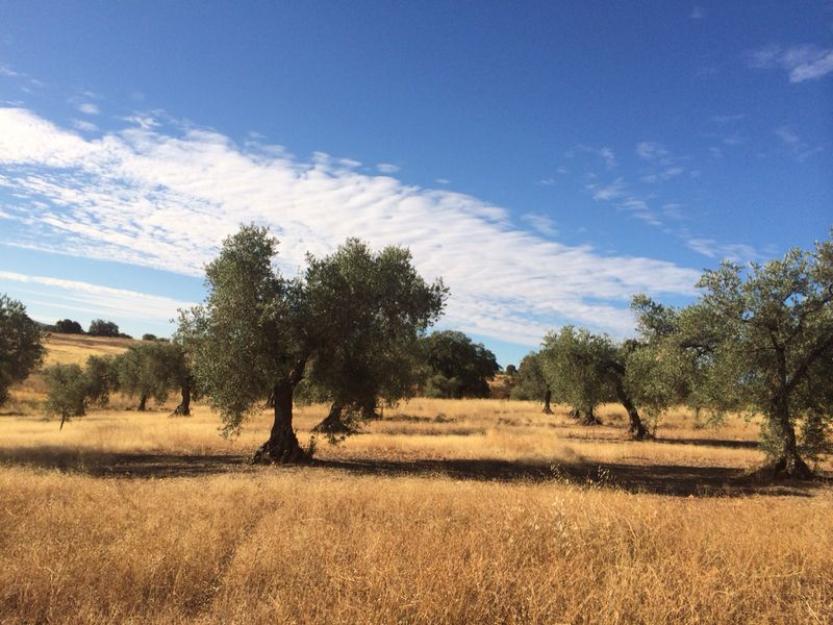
27	81
542	223
387	168
82	124
794	145
8	72
737	252
166	200
802	62
607	192
605	153
88	108
99	300
651	151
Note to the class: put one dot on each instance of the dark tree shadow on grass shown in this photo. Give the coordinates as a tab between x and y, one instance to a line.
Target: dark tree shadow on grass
670	480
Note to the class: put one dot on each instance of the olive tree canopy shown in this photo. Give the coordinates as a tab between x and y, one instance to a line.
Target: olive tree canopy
258	333
20	344
457	367
531	383
370	309
761	339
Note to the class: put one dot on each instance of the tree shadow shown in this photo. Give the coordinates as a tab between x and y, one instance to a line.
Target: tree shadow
669	480
672	480
727	443
710	442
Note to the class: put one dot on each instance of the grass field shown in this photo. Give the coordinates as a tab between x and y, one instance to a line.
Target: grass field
475	511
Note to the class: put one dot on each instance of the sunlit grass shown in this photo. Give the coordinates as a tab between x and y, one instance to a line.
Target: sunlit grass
402	523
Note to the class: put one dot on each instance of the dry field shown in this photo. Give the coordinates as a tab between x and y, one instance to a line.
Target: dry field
442	512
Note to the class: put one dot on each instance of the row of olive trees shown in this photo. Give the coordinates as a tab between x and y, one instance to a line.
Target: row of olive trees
146	371
351	331
759	340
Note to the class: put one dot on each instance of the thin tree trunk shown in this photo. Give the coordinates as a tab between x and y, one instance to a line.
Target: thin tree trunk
184	408
547	401
63	419
143	400
282	446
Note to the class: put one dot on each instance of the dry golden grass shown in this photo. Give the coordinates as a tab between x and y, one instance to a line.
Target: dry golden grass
442	512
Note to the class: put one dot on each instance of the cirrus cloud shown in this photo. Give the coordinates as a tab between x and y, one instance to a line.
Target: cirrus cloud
165	199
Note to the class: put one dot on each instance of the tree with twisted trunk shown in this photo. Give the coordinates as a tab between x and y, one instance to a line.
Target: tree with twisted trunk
258	335
761	340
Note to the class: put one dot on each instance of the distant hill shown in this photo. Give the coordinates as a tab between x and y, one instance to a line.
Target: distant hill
76	348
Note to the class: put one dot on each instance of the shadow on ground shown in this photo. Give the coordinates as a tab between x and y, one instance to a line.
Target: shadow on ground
728	443
672	480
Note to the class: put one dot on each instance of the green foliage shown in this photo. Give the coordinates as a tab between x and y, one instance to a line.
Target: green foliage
67	391
68	326
102	378
252	330
575	363
350	325
657	373
368	311
20	345
149	337
762	340
100	327
148	371
456	367
530	382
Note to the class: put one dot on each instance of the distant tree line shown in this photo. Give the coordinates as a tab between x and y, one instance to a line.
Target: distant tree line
97	327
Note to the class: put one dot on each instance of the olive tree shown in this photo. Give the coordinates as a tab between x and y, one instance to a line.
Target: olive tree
68	326
147	370
761	339
67	391
374	308
586	369
102	378
456	366
258	333
531	383
573	362
20	345
181	358
100	327
658	374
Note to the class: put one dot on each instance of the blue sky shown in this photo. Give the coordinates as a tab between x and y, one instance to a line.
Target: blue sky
547	159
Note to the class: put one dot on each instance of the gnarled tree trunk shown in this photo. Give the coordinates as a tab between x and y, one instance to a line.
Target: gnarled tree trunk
547	401
332	425
184	408
788	464
636	428
586	416
282	446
